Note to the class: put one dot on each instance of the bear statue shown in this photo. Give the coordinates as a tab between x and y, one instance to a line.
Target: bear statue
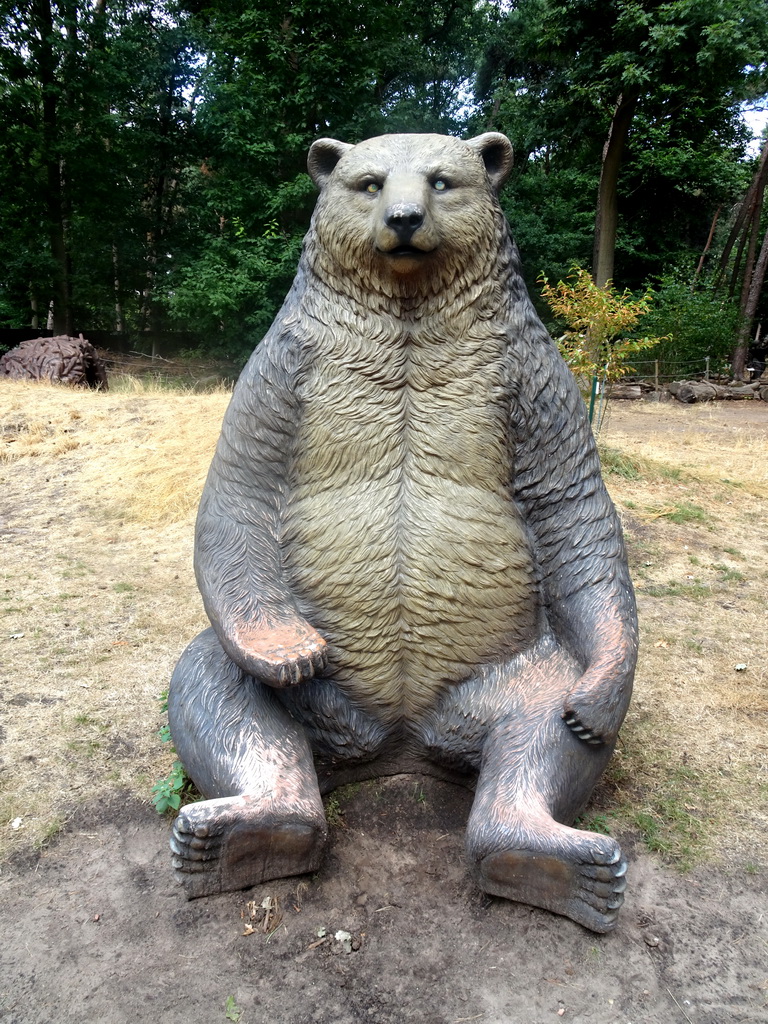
406	551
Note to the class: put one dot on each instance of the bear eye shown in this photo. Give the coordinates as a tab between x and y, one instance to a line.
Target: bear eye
372	187
440	185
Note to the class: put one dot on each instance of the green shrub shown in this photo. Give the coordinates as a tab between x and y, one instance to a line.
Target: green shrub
695	324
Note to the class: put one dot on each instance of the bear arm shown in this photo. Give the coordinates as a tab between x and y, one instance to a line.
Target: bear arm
579	546
238	560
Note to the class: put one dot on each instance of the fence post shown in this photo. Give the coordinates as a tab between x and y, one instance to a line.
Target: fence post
593	392
706	370
656	375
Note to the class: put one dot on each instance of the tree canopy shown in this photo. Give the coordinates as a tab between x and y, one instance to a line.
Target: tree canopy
153	152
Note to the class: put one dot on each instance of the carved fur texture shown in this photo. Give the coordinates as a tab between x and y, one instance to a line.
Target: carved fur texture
405	547
405	455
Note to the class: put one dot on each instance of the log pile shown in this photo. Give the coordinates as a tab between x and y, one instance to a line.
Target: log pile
62	360
690	391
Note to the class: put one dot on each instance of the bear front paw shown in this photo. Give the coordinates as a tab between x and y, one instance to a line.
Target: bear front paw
282	655
578	728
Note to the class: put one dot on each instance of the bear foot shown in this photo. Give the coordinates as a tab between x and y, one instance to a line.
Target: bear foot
232	843
580	875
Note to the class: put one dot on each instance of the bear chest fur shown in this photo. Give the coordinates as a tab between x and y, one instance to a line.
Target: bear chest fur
402	540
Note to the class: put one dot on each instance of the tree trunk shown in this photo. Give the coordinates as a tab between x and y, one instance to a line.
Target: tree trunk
707	246
754	234
743	224
607	214
54	198
119	322
739	360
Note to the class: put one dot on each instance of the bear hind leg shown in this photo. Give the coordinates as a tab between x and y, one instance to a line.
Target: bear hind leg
540	862
536	777
236	842
264	817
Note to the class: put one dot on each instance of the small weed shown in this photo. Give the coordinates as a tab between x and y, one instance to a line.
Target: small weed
675	588
670	822
334	804
630	504
619	464
751	869
51	831
670	472
419	795
728	575
347	792
231	1010
687	513
123	588
595	823
733	552
84	719
176	788
694	560
168	793
76	567
333	813
87	748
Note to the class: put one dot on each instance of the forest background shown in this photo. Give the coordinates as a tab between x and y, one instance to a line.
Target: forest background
153	153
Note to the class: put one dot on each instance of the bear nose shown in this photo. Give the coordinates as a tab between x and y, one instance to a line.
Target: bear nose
404	219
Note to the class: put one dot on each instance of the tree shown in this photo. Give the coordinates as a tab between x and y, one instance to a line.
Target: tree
598	340
739	256
94	99
623	69
276	76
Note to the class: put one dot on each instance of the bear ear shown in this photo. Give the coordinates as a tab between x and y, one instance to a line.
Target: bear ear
323	157
495	150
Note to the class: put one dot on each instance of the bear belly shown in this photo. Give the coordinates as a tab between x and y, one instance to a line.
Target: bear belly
402	542
412	589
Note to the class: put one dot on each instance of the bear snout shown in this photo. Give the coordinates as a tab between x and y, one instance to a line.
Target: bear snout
404	219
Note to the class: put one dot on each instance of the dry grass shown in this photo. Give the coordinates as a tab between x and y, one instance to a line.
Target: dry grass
97	599
97	596
691	773
142	454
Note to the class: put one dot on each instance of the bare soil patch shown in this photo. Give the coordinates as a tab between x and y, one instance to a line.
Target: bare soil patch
97	599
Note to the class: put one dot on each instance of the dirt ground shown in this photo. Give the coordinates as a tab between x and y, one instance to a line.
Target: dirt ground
96	931
391	929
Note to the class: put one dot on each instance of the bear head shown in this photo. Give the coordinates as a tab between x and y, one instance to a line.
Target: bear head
405	210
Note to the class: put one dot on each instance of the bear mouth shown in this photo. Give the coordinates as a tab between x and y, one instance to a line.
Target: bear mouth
405	250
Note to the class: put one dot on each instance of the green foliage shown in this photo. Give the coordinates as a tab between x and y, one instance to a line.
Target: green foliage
595	823
687	512
597	318
694	322
176	788
553	72
231	291
334	814
231	1010
153	152
168	793
552	217
618	463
